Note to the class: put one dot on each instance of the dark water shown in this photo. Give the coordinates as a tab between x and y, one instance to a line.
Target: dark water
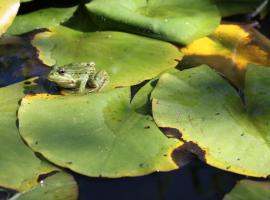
195	181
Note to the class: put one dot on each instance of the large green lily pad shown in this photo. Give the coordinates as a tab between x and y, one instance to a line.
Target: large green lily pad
8	11
97	134
129	59
234	135
60	186
179	21
43	18
19	166
249	190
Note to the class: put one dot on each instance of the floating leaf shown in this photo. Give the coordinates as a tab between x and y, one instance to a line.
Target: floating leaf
102	133
60	186
43	18
208	112
19	166
229	50
172	20
8	11
129	59
249	190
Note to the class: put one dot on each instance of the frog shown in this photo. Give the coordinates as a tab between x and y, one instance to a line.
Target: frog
79	77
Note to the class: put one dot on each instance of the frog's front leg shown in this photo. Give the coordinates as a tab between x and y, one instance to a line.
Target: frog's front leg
83	82
100	80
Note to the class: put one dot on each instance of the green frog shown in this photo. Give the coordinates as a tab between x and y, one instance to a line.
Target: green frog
79	77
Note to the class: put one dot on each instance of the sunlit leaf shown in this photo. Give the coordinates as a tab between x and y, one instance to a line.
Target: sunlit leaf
97	134
8	11
208	112
43	18
129	59
19	166
229	50
60	186
179	21
250	190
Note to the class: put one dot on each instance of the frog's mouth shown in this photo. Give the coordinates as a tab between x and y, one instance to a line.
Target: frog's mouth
66	83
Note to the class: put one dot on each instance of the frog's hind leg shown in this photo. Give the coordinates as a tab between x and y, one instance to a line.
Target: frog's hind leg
83	82
100	80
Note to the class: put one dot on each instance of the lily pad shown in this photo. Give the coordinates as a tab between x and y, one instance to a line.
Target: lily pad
208	112
8	11
19	166
60	186
129	59
172	20
43	18
103	134
249	190
229	50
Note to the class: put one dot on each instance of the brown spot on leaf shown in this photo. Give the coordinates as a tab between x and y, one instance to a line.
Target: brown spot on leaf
187	152
146	127
171	132
27	82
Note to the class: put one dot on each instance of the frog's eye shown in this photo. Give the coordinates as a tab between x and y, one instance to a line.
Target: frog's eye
61	71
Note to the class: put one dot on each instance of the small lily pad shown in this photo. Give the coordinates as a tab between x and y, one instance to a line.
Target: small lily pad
60	186
209	112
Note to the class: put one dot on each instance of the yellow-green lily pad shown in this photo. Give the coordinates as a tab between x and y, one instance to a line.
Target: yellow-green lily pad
19	166
99	134
8	11
249	190
60	186
43	18
178	21
233	133
129	59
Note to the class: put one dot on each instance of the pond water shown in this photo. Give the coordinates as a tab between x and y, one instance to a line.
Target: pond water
195	181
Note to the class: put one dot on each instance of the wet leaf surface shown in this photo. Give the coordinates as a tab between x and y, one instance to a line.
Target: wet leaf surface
208	112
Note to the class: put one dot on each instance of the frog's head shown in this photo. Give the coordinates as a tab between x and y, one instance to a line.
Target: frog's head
63	77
